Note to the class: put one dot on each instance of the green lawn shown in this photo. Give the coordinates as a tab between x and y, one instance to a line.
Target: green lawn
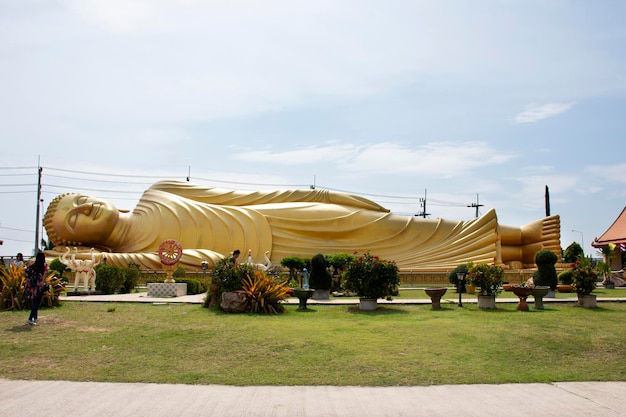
325	345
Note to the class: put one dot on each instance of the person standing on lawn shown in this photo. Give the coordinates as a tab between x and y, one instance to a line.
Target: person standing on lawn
34	287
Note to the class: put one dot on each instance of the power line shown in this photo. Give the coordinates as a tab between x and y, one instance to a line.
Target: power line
104	174
95	180
19	230
88	176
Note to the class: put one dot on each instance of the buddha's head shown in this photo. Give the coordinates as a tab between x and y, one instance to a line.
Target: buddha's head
78	219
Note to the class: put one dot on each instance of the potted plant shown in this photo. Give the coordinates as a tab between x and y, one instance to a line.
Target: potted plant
488	280
585	278
371	278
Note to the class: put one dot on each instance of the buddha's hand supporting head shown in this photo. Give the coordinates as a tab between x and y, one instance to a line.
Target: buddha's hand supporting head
77	219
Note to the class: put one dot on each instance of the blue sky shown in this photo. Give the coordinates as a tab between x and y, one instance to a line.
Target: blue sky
495	99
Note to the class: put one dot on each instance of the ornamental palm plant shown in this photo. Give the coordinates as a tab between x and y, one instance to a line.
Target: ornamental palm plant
12	280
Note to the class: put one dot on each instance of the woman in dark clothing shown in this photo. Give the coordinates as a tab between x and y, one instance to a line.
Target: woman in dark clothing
34	285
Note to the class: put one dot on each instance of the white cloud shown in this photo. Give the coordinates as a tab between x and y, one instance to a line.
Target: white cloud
608	173
534	112
442	159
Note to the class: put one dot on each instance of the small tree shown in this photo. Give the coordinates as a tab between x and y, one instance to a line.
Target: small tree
608	252
339	262
294	264
546	272
573	252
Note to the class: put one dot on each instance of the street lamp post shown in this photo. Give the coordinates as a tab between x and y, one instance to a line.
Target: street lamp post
460	287
205	266
582	239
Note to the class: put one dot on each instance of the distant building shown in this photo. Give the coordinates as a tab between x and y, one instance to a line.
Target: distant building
615	235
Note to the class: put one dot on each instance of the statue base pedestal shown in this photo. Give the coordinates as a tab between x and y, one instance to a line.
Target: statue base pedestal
161	289
77	293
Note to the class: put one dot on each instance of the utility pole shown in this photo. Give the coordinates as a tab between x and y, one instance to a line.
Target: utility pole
39	170
476	205
423	206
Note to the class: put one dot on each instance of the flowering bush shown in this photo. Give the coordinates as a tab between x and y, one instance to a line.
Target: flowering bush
371	277
487	278
584	276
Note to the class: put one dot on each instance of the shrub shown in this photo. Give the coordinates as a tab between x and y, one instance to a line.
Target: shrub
131	276
228	277
59	267
452	276
264	293
546	272
566	277
320	278
371	277
194	285
109	278
179	273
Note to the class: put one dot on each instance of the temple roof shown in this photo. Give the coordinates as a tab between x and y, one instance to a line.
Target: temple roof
616	233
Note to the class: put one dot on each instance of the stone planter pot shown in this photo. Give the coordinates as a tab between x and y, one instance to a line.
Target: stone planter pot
435	295
538	294
565	288
522	293
303	295
587	301
487	302
368	304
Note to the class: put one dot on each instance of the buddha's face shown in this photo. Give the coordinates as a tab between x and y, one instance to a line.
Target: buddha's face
80	218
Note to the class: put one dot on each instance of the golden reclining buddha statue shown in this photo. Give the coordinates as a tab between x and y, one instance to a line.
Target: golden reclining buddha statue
210	222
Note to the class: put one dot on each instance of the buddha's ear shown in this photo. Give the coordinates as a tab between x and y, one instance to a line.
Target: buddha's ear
124	211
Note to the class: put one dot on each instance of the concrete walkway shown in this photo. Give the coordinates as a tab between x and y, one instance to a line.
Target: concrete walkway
96	399
450	298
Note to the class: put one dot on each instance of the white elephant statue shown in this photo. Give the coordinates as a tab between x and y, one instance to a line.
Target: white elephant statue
83	269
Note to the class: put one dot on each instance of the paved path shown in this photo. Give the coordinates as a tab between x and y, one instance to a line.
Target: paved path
96	399
142	297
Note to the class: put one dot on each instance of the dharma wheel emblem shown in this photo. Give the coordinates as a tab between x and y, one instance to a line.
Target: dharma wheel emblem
170	252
